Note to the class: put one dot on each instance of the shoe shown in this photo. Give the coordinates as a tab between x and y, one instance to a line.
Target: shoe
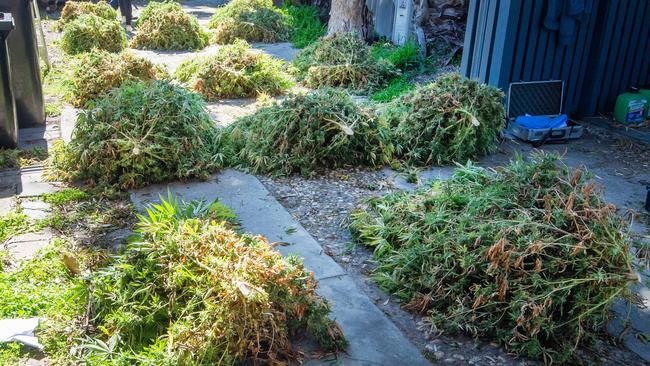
129	28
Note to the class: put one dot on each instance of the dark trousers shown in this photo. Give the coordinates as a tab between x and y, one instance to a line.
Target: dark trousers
125	9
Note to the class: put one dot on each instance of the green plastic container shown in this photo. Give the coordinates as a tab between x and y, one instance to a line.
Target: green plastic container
645	91
631	107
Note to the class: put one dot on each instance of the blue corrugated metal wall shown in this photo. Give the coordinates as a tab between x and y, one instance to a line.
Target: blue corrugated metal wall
506	41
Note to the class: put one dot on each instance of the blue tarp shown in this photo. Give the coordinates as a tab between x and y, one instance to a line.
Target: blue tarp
542	122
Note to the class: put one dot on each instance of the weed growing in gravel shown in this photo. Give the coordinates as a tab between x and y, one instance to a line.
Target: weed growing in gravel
305	134
165	26
97	72
137	134
235	71
449	120
188	289
89	31
529	254
304	22
17	158
250	20
74	9
343	60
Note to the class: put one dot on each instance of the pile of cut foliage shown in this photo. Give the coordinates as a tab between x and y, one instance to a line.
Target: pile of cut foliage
97	72
250	20
165	26
306	133
529	254
74	9
137	134
449	120
343	60
190	290
88	31
235	71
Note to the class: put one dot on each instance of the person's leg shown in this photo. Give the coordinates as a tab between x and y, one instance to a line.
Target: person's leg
114	3
127	11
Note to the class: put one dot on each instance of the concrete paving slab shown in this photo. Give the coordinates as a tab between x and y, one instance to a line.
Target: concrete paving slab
7	204
25	246
32	183
35	209
68	120
374	339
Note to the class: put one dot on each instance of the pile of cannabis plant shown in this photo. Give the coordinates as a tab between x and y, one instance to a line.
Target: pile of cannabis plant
342	60
528	254
189	289
250	20
452	119
305	134
165	26
235	71
137	134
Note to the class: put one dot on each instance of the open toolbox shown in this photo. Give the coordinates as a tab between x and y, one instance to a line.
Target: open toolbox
539	98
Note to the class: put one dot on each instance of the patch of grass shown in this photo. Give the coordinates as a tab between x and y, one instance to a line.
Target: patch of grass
74	9
396	88
53	109
305	134
306	26
405	58
56	83
250	20
235	71
89	31
11	354
528	254
137	134
97	72
165	26
452	119
65	196
188	289
12	224
342	60
47	286
18	158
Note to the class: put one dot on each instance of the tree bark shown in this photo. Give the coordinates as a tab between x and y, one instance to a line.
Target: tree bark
349	16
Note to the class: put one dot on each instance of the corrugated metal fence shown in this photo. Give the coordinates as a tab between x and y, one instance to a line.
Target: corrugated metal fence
608	51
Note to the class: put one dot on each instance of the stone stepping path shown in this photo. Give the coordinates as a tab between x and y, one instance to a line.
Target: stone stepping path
374	339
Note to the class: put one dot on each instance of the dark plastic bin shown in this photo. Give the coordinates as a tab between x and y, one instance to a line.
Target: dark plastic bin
8	124
25	70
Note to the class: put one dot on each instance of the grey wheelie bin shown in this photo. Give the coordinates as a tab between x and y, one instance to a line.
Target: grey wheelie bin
8	123
25	71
